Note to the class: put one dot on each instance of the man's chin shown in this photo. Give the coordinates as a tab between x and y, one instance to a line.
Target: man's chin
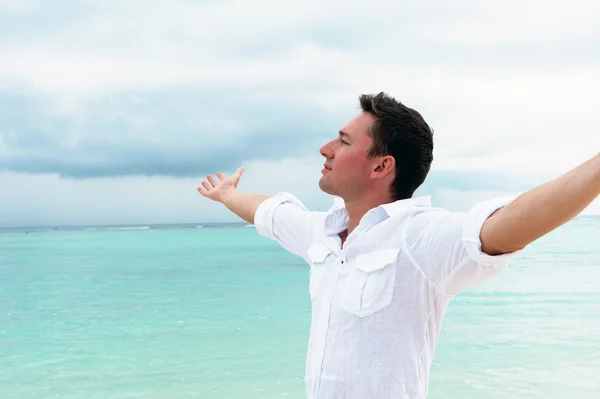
325	186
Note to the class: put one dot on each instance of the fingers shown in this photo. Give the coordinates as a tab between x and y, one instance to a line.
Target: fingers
211	180
207	186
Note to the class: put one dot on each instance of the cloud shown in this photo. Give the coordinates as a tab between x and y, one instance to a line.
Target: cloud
98	93
98	45
48	200
515	125
180	132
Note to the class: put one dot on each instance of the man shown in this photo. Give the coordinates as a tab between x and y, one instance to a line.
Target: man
384	265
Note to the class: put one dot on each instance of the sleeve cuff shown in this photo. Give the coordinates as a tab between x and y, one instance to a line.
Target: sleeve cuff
474	221
264	215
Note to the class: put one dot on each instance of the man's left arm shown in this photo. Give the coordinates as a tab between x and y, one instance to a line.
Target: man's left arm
541	210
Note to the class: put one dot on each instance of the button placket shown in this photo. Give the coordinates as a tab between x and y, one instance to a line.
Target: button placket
325	314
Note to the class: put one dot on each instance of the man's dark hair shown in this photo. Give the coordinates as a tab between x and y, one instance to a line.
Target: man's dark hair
401	132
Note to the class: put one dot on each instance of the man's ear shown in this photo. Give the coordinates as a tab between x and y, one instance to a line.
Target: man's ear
383	167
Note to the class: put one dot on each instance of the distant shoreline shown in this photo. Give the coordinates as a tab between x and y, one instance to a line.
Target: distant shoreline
123	227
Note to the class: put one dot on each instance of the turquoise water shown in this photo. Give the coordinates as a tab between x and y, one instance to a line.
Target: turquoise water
184	312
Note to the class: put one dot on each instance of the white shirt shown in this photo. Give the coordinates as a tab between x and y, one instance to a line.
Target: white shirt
379	300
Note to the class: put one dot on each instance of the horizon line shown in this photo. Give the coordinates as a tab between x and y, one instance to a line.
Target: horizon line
57	226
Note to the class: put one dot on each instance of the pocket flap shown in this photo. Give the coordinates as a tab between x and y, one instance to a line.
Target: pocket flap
318	252
376	260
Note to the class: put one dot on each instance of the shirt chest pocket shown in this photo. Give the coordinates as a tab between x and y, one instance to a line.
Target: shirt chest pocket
319	255
370	284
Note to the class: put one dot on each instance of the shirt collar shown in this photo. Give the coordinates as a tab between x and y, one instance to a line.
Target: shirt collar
337	219
394	208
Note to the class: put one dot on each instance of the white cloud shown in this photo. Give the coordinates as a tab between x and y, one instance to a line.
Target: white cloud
511	86
516	22
18	6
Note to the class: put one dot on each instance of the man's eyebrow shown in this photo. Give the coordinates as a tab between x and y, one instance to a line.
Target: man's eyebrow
344	134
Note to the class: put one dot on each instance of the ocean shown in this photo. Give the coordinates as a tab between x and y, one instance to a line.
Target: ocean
216	311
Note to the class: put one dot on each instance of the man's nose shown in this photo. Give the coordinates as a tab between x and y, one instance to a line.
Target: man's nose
326	150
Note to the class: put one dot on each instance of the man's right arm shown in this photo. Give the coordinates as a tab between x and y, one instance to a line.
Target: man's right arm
243	204
282	217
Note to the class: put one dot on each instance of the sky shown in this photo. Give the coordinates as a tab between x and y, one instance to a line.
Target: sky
113	112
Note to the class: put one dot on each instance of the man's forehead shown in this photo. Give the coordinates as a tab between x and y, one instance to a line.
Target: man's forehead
359	125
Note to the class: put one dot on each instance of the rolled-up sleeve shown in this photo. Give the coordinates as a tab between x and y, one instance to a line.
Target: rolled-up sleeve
471	236
284	219
446	246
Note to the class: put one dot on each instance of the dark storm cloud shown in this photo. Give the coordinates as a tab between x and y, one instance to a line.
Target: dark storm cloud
184	132
177	132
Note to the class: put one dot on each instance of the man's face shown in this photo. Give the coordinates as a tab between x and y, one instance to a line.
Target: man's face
347	168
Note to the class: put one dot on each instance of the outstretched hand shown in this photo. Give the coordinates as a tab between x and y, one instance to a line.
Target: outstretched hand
214	189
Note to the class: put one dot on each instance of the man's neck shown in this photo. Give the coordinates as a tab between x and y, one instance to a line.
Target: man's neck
358	208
